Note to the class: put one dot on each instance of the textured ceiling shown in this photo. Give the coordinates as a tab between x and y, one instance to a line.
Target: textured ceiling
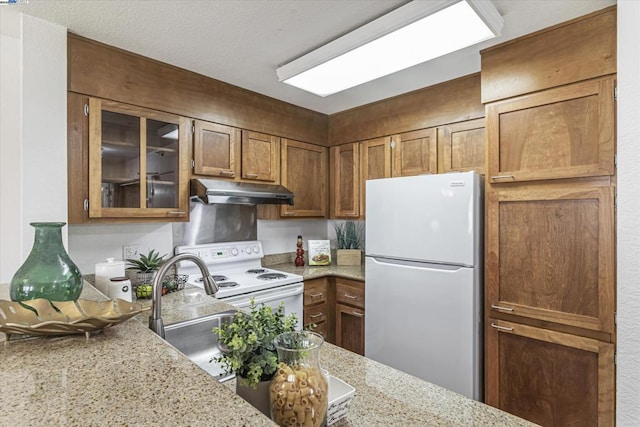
242	42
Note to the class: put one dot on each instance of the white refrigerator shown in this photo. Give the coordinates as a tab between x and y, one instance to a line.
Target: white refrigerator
423	272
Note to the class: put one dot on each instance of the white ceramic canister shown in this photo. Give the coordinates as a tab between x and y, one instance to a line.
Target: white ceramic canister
105	271
120	287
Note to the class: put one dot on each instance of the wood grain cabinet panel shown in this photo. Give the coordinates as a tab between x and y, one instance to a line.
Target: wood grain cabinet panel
349	314
260	157
565	132
550	255
216	150
375	162
547	377
304	171
345	181
415	152
463	146
316	307
350	328
138	163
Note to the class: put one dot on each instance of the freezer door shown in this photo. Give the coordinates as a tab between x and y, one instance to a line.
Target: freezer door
434	218
427	322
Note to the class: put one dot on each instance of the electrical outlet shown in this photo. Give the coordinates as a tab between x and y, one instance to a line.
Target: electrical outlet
131	252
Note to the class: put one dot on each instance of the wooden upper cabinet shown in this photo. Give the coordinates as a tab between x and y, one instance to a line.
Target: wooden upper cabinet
462	146
547	377
260	157
304	171
216	150
564	132
138	162
550	255
345	181
375	162
415	152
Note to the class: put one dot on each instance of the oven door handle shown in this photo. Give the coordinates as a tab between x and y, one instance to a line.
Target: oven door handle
266	298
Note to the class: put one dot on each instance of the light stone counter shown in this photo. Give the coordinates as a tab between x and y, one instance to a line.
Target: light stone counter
127	375
284	262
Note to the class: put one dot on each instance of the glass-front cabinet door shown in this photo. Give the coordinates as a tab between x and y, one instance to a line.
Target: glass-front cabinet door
138	162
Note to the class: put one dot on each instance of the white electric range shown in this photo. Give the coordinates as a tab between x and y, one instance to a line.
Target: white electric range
237	270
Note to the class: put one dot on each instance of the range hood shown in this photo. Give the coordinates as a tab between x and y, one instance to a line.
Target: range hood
243	193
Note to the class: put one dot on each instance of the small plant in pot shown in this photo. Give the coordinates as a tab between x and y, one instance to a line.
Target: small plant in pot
146	267
348	242
248	350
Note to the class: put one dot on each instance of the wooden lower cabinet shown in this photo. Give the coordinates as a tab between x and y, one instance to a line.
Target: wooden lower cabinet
547	377
350	328
316	307
336	307
349	314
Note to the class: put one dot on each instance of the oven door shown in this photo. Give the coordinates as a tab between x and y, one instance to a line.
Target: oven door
291	295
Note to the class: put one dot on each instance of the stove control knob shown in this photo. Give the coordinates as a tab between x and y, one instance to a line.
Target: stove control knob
256	249
234	251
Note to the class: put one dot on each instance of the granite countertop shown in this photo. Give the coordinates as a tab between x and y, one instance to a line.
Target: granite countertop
127	375
284	262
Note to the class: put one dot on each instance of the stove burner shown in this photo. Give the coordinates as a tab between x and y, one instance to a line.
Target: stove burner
272	276
227	284
217	278
256	271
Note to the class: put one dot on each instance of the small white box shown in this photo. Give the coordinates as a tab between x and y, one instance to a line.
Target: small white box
340	396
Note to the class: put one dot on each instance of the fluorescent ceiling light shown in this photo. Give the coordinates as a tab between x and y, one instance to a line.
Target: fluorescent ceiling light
412	34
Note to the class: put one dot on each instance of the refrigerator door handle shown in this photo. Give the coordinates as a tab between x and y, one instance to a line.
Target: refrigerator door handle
420	264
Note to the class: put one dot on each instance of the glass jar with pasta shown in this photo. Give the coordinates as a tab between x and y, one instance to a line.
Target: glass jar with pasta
299	391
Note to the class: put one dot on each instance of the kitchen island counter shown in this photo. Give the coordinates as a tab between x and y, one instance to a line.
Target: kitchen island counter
127	375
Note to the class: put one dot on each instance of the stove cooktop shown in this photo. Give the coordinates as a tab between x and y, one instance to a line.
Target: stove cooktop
236	268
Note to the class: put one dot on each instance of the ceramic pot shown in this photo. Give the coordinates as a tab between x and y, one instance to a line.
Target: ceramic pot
258	397
48	272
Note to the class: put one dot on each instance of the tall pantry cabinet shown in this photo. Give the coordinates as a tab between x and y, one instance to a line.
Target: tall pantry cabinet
550	223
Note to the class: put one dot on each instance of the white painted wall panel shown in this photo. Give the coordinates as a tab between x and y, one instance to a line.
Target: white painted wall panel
628	215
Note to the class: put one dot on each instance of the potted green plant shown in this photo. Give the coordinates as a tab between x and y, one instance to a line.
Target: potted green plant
146	267
348	242
248	350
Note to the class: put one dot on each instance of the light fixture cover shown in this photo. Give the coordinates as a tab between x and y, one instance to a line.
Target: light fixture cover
414	33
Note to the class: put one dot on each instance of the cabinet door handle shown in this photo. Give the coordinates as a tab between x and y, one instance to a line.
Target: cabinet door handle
350	296
176	213
497	307
227	173
316	295
289	213
251	175
503	177
352	215
315	316
501	328
355	313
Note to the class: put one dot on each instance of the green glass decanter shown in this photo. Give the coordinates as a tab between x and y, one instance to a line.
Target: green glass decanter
48	272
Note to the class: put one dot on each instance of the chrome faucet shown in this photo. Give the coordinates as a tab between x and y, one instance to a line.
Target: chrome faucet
210	287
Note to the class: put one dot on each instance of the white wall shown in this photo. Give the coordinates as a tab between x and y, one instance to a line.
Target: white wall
628	215
33	137
281	236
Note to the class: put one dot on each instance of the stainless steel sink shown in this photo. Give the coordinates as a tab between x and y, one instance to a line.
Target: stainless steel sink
195	340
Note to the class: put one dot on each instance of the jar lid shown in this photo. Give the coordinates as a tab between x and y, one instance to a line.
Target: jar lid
119	279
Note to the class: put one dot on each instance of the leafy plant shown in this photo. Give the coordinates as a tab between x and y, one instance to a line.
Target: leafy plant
348	234
147	263
247	342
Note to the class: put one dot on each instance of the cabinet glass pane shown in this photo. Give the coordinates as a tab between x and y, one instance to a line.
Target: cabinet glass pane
120	160
162	164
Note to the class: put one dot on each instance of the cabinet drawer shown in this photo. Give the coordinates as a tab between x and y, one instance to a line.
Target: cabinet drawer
316	314
321	328
315	292
349	295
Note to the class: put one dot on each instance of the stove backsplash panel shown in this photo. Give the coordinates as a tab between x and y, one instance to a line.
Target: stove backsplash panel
217	223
